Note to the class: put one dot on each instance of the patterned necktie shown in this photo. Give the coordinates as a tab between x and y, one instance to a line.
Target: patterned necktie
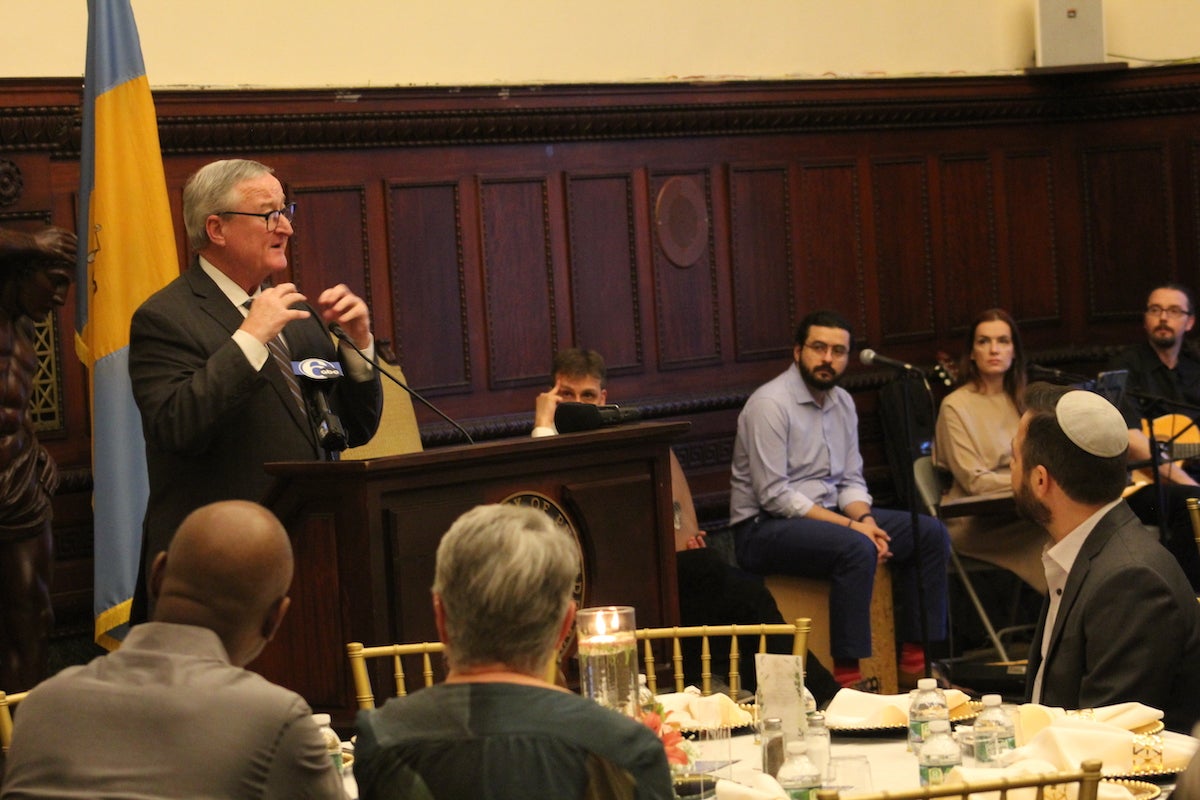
279	353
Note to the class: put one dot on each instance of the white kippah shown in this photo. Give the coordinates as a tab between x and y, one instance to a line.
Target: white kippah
1092	423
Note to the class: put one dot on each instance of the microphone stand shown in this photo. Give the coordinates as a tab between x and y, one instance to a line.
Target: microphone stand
1147	401
337	331
906	374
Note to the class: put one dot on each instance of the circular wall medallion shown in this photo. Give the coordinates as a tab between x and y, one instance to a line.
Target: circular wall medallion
681	217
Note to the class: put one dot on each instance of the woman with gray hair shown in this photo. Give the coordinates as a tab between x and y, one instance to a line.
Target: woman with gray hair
496	728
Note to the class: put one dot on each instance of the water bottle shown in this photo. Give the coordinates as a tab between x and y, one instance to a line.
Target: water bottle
810	702
995	737
939	754
773	751
818	742
798	776
928	704
333	745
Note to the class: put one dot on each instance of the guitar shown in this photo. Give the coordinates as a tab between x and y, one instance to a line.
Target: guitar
1179	440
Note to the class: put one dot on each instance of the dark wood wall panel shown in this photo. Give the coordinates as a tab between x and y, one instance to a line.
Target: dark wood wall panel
678	228
326	255
519	280
1032	268
685	291
903	258
605	302
428	291
968	275
829	222
761	259
1129	224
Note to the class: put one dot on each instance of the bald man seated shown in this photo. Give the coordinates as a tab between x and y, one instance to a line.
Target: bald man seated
172	713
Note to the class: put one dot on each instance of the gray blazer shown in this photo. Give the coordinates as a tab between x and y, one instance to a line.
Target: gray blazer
1128	628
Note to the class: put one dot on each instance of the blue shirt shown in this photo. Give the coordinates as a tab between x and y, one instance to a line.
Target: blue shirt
791	454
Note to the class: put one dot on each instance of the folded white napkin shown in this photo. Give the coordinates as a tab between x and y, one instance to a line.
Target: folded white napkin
689	709
854	709
1023	769
762	787
1035	717
1068	741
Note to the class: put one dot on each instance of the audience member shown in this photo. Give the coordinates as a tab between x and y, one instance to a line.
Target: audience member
502	603
172	713
800	506
1121	622
36	271
210	356
1164	385
975	428
711	590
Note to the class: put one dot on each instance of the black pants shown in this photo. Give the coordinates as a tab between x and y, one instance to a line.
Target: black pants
1178	536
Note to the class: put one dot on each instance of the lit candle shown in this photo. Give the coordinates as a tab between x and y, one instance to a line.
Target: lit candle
608	657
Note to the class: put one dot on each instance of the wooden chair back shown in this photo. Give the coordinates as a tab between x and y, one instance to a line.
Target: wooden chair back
359	654
6	721
798	631
1051	786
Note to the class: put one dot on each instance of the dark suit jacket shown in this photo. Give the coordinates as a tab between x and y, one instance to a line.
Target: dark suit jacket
210	420
1128	628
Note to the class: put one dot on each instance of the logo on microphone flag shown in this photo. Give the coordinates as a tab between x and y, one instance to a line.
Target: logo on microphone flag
126	252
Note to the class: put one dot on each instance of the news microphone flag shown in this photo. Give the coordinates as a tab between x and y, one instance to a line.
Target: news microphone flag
126	252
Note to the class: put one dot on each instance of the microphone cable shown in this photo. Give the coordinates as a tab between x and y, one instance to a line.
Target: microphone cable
337	331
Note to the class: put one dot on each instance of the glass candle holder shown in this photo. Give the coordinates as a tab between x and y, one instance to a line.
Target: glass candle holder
607	651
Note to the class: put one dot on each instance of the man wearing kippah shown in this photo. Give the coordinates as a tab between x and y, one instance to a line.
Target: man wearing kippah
1121	622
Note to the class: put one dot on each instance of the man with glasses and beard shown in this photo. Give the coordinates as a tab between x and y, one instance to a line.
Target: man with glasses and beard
800	506
1121	623
1165	367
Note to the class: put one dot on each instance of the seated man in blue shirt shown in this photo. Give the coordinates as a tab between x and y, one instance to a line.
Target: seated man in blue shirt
799	504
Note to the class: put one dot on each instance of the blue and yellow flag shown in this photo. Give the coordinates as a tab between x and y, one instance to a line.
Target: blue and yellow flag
126	252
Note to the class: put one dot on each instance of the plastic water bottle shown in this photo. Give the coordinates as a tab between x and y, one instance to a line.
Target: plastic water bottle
818	742
928	703
333	745
799	776
995	737
939	754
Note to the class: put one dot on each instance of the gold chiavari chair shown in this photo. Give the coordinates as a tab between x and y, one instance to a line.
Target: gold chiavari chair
798	631
6	721
1050	786
358	655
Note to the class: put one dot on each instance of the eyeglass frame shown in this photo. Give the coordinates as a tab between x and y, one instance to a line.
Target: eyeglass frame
1171	312
821	348
288	212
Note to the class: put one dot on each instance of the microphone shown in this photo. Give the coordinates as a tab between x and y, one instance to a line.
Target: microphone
870	357
1052	374
321	374
337	331
573	417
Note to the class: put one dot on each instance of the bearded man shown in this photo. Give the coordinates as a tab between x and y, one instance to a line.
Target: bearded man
799	505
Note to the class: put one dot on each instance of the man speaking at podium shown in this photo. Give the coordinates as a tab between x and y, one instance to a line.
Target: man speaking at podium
210	357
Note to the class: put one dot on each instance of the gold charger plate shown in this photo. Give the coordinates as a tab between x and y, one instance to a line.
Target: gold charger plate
1149	729
1138	774
1141	790
690	731
960	713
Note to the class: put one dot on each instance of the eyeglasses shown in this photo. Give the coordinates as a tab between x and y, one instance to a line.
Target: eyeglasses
1172	312
270	217
820	348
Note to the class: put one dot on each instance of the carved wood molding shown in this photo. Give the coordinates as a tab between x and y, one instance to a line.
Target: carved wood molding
263	120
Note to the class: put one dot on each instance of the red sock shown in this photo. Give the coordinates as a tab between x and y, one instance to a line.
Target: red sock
846	671
912	658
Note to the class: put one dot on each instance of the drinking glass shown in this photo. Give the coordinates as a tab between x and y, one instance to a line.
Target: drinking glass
714	756
849	774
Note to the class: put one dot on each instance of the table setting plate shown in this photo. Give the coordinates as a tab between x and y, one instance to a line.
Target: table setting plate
1141	790
960	713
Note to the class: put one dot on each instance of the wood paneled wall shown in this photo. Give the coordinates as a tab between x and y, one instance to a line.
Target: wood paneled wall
680	229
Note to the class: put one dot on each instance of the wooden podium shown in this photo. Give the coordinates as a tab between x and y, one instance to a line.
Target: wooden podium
365	534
